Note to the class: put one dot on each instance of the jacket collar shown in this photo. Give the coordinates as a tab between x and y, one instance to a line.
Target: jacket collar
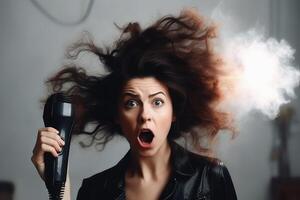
180	160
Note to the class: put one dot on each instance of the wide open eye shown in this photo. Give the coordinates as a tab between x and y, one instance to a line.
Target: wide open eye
131	103
158	102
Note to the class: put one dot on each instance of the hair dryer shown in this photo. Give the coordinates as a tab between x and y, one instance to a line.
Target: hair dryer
58	113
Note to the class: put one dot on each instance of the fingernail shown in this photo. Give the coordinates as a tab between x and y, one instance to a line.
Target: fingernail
63	142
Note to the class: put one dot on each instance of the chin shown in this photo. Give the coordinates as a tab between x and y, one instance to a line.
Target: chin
150	152
147	154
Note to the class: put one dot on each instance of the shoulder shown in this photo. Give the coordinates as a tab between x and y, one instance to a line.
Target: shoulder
190	160
105	177
187	162
201	160
97	184
213	167
215	173
104	185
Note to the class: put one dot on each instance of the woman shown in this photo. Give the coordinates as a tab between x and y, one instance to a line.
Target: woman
161	85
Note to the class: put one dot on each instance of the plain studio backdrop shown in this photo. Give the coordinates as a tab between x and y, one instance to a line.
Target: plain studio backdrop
32	48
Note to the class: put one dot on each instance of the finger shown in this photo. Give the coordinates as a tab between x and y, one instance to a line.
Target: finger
40	148
50	149
38	154
49	129
52	135
51	142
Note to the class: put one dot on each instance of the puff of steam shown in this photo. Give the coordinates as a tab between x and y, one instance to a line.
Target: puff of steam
261	73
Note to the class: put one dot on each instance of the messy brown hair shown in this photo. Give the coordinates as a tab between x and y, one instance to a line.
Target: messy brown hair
177	51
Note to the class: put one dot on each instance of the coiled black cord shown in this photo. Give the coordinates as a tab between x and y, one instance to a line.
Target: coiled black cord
56	191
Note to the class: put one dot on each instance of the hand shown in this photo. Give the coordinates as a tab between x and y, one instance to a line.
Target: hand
47	140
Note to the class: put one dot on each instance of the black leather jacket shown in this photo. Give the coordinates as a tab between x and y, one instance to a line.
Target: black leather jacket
194	177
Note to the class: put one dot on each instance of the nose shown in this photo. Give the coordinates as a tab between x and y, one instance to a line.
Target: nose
145	114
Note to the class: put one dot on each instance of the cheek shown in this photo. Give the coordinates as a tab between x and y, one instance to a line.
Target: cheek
165	119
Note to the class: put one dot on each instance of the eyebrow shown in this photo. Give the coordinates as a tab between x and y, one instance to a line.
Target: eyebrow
136	95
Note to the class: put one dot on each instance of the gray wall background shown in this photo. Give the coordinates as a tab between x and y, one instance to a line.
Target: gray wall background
32	48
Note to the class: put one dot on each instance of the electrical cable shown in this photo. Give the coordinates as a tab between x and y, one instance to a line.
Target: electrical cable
60	22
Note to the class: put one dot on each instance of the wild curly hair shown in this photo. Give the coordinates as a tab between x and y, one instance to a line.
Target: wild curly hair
176	51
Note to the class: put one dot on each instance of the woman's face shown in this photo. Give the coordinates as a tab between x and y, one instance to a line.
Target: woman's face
145	115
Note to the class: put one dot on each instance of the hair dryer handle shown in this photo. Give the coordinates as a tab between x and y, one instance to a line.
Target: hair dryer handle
59	114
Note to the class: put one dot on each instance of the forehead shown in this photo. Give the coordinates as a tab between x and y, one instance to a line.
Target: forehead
145	85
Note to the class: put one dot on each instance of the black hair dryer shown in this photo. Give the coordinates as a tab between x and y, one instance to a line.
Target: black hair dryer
59	113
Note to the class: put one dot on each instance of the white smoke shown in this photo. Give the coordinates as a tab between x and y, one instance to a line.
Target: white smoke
260	73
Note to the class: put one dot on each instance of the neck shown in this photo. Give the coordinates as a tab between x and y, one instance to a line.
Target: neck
151	167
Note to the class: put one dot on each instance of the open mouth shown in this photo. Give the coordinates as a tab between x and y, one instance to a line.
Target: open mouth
146	136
